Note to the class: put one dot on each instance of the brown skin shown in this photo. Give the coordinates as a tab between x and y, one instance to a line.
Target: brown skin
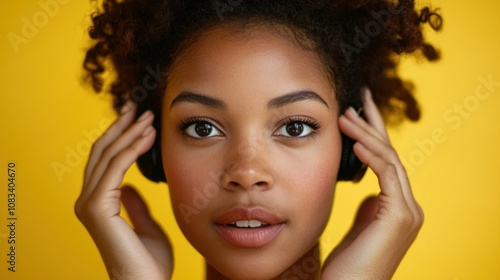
294	178
261	166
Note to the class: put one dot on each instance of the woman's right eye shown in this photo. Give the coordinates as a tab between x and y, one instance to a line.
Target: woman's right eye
201	129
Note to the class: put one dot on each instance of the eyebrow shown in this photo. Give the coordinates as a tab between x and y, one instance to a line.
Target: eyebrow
295	97
191	97
280	101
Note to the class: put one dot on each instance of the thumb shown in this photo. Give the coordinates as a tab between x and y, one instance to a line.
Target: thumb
366	214
138	213
150	233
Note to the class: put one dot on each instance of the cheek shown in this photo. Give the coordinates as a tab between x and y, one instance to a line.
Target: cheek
315	168
314	188
190	181
311	181
187	172
316	194
194	192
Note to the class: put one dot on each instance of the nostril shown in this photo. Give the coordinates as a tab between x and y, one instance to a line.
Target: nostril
261	184
234	184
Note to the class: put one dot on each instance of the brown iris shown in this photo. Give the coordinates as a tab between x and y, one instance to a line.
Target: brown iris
294	129
203	129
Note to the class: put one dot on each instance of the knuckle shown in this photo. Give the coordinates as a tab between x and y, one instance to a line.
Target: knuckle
77	208
96	145
420	217
114	162
389	169
108	152
364	139
391	153
83	209
404	219
100	142
418	223
117	160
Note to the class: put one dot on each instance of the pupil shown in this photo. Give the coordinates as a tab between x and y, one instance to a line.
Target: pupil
294	129
203	129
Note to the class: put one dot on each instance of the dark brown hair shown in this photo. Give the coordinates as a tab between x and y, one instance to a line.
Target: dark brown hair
358	41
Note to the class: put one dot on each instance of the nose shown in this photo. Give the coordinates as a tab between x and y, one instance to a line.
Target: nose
247	166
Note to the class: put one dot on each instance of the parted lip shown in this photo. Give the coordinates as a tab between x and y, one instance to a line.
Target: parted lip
242	213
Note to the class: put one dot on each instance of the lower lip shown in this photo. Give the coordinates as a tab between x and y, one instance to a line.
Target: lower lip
249	238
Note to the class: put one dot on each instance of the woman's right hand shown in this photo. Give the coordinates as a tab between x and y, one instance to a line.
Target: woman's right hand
143	253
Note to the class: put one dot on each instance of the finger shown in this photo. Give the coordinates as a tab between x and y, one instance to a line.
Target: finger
125	119
390	182
377	154
372	113
353	116
396	206
117	165
371	142
366	214
139	213
136	131
147	228
386	172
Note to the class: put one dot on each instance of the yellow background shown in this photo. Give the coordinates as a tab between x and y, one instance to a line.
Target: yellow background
47	117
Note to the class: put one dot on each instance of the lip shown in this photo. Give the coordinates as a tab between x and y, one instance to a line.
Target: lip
250	237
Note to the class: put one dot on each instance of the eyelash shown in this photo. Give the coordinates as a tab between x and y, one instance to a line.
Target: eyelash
314	125
184	124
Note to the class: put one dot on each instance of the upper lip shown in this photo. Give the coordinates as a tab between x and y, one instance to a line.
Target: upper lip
241	214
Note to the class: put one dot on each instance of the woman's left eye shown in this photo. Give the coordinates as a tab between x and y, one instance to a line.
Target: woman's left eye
297	128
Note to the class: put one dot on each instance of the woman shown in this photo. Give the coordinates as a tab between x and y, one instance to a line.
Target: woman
248	109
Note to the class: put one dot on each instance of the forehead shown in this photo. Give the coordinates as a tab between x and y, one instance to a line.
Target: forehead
254	59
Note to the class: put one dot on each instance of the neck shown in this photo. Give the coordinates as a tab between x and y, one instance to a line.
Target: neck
308	267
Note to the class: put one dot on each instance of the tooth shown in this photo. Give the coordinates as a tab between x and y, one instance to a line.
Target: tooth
254	223
242	223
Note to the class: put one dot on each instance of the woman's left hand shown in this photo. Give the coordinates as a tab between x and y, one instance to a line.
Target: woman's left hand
387	224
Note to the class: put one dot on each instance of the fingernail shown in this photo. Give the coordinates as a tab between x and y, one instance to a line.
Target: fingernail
353	111
367	93
144	115
148	130
126	107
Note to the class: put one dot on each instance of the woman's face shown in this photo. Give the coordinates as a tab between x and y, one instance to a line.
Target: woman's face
251	150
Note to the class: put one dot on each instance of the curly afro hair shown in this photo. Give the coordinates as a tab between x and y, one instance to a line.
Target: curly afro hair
357	40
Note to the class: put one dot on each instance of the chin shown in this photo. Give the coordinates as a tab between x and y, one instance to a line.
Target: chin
260	263
247	272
